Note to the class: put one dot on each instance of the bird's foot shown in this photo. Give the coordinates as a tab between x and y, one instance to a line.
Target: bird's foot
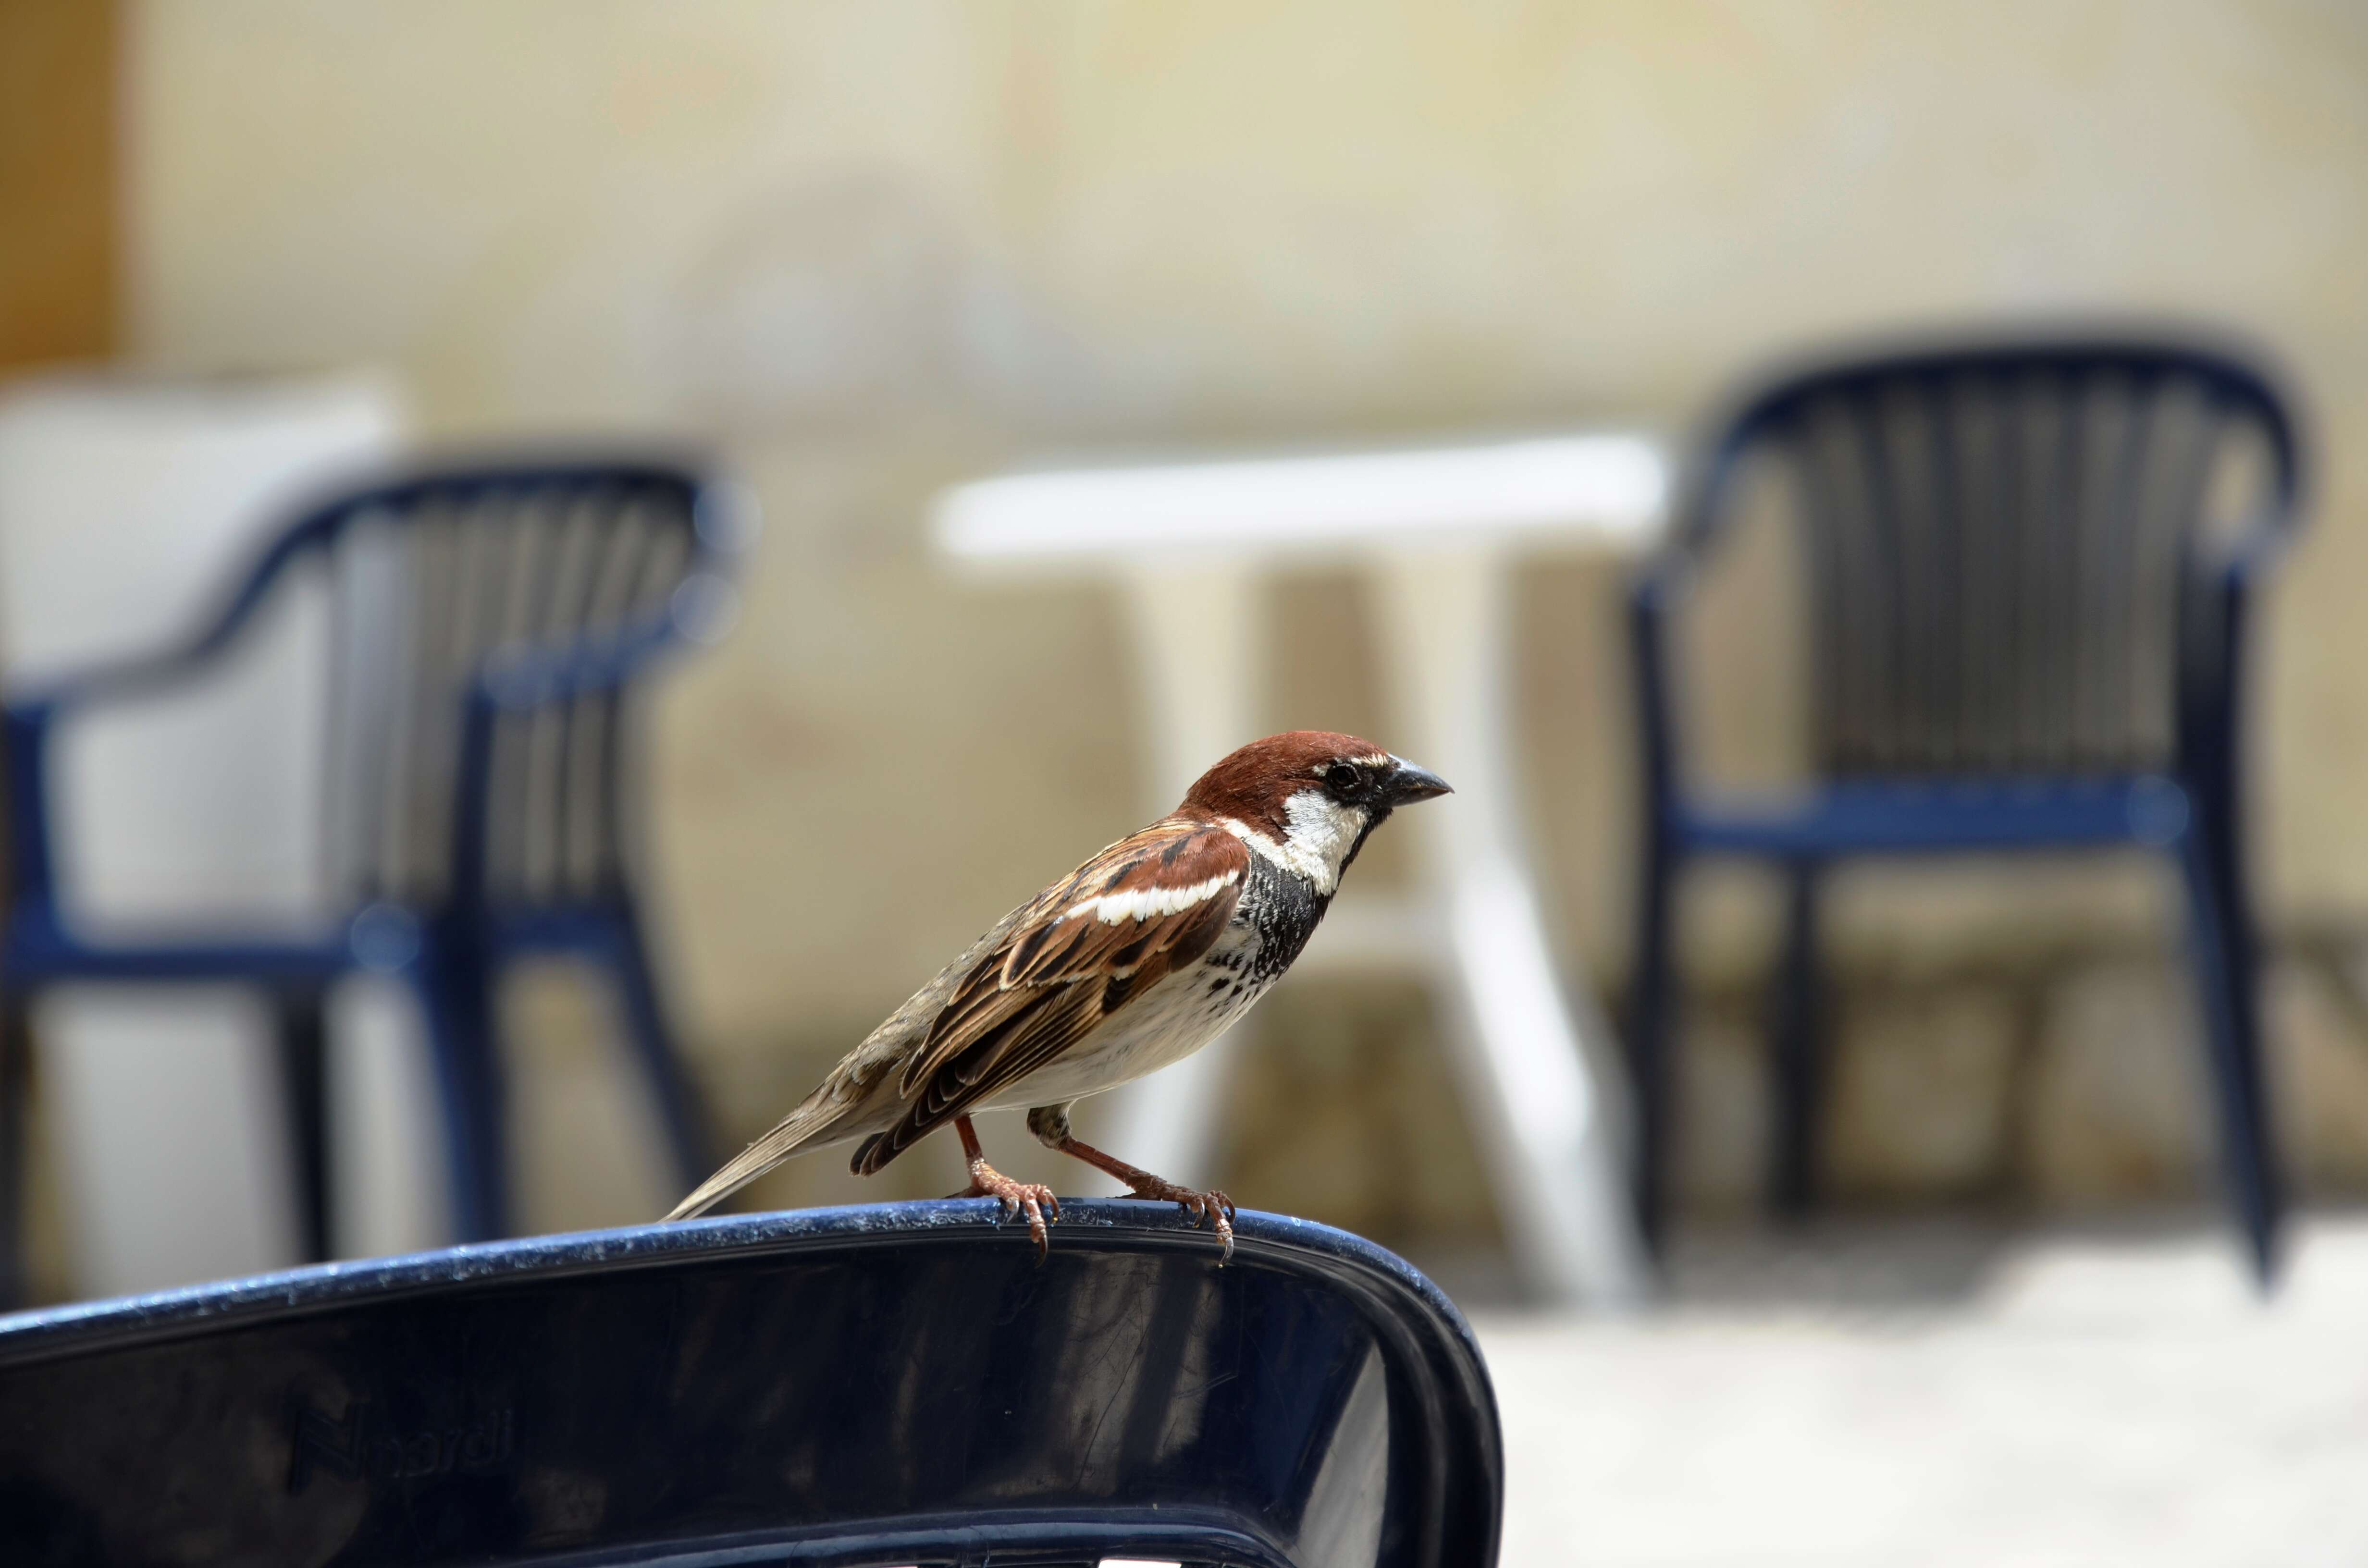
1032	1198
1212	1208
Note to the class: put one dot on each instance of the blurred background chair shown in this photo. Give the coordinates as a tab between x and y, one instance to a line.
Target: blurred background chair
2026	635
486	626
892	1384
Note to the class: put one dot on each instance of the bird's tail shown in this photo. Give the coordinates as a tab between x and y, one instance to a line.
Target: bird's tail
814	1115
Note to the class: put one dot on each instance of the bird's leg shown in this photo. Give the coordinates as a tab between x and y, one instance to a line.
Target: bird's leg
1016	1197
1212	1208
1051	1125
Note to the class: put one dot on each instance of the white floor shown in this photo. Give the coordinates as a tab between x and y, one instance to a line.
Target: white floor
1939	1395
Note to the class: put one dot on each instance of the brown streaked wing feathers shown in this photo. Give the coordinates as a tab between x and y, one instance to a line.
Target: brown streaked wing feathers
851	1083
1048	984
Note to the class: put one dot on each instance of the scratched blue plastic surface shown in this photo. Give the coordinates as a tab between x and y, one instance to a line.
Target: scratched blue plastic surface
885	1383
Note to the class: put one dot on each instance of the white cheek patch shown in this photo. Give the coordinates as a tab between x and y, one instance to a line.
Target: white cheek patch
1319	834
1144	904
1323	831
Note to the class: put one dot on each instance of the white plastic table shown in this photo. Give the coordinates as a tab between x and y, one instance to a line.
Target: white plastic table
1436	533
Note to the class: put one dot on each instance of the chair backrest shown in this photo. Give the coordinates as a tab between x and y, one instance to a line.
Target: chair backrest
892	1384
434	576
2000	541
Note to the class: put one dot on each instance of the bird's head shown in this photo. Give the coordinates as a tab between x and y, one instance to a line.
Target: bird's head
1306	800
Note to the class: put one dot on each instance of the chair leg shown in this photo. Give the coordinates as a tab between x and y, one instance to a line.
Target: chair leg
679	1105
16	1084
1652	1005
456	988
1796	1064
305	1087
2230	994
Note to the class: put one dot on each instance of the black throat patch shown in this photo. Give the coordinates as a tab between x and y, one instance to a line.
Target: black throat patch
1284	909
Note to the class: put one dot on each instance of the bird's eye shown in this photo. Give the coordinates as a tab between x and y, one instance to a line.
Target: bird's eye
1343	779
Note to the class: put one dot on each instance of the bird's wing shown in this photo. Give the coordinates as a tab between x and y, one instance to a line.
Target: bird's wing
1112	929
851	1086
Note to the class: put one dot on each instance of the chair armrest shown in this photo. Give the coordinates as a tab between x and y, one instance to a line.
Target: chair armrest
140	674
115	680
1648	613
30	719
1652	594
2211	608
33	875
2214	607
27	716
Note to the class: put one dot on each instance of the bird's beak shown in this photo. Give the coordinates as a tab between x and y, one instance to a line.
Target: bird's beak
1408	783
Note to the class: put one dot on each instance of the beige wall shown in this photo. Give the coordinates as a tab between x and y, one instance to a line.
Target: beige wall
873	247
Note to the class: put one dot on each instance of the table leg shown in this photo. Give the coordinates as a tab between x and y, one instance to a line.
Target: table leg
1201	644
1537	1085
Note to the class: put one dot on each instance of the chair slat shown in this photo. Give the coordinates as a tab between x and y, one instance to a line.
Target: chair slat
449	577
1993	554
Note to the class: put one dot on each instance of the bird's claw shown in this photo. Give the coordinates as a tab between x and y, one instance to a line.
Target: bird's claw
1033	1198
1212	1208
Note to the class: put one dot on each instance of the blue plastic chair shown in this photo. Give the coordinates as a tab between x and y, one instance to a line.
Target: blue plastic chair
2024	637
895	1384
488	623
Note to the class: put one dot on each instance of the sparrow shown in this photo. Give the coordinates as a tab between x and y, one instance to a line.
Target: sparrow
1137	959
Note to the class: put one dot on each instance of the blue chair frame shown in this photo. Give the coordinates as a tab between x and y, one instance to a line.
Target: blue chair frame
2024	641
647	548
888	1384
